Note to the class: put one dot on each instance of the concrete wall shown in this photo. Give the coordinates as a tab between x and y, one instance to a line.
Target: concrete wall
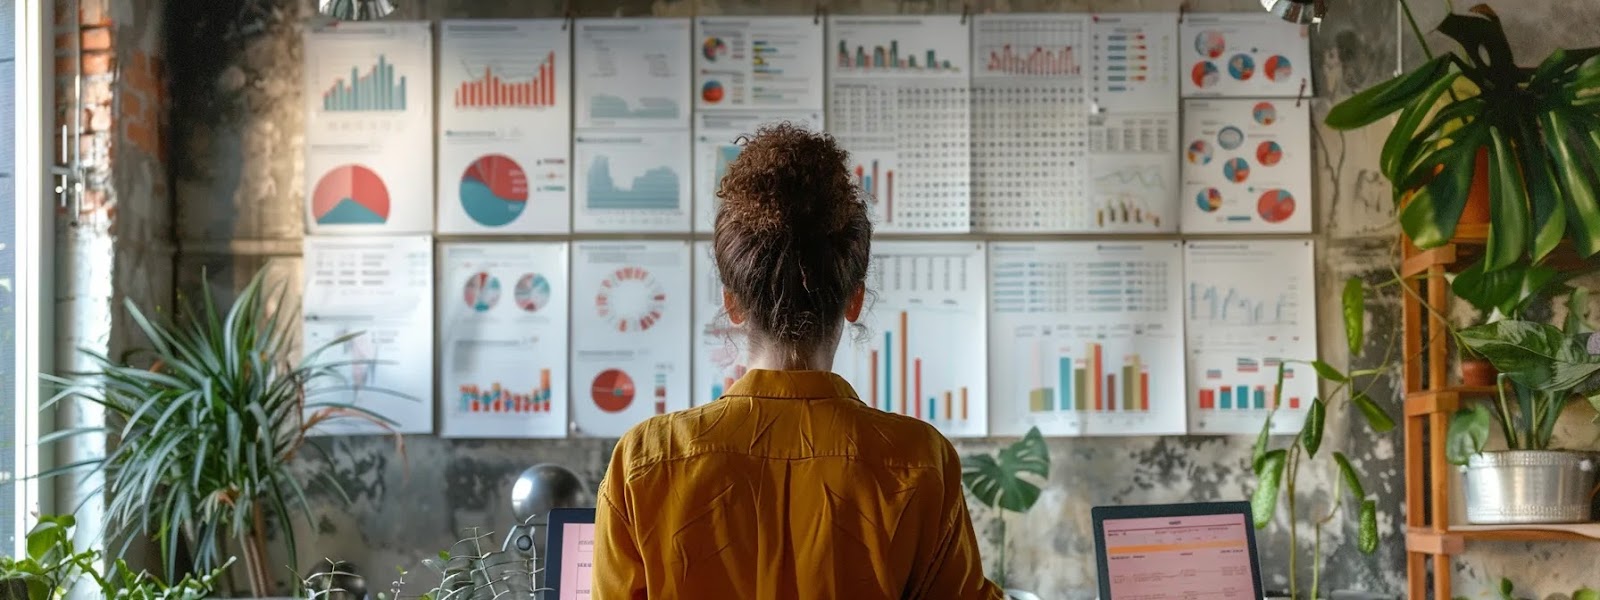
236	158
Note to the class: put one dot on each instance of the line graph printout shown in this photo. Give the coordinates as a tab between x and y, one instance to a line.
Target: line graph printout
1086	338
1246	167
1180	558
717	142
631	316
1133	123
1249	307
503	353
923	353
505	114
722	351
764	63
371	298
632	181
632	73
899	102
369	128
1248	55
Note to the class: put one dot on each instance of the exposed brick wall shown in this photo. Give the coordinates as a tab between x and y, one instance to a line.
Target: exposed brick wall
97	69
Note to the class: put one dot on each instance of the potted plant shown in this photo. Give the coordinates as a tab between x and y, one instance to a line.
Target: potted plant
1001	482
53	566
1507	592
1547	368
209	419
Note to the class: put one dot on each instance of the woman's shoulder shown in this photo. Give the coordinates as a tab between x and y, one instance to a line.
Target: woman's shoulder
903	438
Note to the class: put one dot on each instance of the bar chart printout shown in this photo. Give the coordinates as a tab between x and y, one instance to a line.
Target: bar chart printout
1241	326
1180	558
1085	338
924	350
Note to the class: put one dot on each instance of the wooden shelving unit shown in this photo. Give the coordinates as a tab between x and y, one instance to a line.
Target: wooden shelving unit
1430	400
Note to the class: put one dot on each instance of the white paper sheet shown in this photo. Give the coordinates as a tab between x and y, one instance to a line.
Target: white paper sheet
1249	306
924	351
630	329
1247	166
632	73
505	110
1133	122
721	350
770	63
503	352
1086	338
632	181
379	289
716	143
369	128
1244	54
899	103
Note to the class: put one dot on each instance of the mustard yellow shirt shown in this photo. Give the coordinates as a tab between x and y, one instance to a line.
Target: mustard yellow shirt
789	487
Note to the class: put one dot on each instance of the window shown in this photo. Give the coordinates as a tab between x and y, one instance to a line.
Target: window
9	422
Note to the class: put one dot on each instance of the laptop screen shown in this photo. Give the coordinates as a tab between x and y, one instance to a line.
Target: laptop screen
1179	557
577	560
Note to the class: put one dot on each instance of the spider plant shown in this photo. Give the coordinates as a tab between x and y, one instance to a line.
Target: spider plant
205	424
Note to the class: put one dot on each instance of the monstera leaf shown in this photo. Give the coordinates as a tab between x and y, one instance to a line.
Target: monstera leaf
1000	482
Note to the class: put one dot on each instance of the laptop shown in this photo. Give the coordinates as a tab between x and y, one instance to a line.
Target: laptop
569	554
1177	551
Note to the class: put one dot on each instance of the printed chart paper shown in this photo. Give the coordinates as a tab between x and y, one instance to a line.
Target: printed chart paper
1249	307
899	103
1246	54
772	63
380	291
716	144
369	128
1247	167
1086	338
722	351
1133	122
632	73
505	115
924	352
503	356
633	181
630	322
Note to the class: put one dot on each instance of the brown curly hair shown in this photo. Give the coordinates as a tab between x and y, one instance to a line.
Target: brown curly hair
793	238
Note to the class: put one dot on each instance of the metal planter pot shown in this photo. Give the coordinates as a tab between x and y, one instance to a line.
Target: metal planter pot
1530	486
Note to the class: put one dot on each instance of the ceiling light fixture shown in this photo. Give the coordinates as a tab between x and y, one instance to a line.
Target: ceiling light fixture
1297	11
356	10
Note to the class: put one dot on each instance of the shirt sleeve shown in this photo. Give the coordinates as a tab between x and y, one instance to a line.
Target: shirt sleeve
618	565
955	571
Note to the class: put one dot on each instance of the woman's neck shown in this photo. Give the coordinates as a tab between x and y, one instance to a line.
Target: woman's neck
783	359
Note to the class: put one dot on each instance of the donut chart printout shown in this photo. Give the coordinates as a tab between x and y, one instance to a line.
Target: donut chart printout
503	348
1244	55
1246	166
505	109
369	128
631	318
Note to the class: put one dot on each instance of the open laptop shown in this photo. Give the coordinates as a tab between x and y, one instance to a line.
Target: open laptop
569	554
1177	551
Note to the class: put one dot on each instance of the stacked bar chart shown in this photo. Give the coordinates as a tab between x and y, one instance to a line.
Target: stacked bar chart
379	89
888	58
1087	383
496	398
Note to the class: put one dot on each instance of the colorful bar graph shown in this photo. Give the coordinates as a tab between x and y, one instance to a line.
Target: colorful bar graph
490	91
912	402
497	398
661	392
1065	364
1086	383
376	90
1040	61
867	178
888	59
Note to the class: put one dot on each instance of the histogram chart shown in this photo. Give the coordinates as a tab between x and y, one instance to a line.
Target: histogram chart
721	351
1043	46
632	73
503	364
924	350
516	87
1086	338
633	182
1249	308
718	138
376	89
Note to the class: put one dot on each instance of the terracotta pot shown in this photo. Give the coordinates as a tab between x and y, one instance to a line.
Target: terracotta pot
1478	372
1477	209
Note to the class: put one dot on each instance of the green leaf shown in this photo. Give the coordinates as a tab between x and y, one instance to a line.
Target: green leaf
1354	303
1311	432
1326	371
1384	99
1000	483
1507	290
1506	588
1577	312
1467	434
1259	450
1415	114
1265	499
1352	481
1585	593
1510	230
1431	215
1483	42
1544	197
1377	418
1583	208
1537	355
1367	527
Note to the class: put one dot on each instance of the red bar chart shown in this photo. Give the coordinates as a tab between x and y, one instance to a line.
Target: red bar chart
493	89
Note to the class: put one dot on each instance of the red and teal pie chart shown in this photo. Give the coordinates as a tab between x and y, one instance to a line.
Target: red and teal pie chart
494	190
612	390
1275	206
350	195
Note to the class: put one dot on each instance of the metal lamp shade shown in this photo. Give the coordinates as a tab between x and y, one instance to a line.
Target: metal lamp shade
1297	11
356	10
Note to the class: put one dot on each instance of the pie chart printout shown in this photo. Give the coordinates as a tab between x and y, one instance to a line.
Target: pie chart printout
350	195
612	390
532	292
494	190
1275	206
482	292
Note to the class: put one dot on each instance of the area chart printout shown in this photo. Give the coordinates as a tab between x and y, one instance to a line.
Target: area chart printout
1244	55
1086	338
632	73
1248	308
630	319
1180	558
924	351
368	90
771	63
721	349
717	135
503	352
899	103
632	181
505	115
368	305
1246	166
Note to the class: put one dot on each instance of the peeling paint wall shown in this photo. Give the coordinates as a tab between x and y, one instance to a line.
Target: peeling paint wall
236	167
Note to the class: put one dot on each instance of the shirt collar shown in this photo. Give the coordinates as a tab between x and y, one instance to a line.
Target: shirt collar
794	385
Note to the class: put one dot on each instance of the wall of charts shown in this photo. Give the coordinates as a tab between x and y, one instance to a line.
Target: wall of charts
1033	178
